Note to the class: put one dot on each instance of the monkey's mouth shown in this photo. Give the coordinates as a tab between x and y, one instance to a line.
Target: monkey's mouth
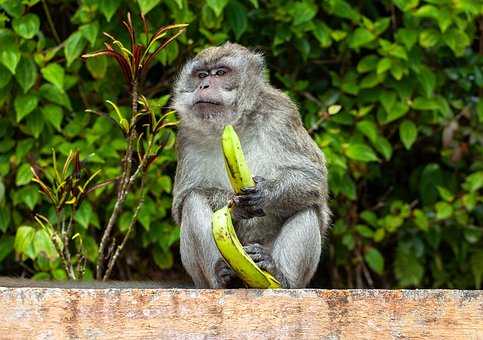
204	101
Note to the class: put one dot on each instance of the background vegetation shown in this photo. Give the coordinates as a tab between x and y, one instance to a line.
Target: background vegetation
404	152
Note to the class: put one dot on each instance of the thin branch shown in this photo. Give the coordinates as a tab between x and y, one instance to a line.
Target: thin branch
124	185
66	234
51	22
113	259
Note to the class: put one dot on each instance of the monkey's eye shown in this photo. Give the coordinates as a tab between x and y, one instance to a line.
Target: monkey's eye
202	74
220	72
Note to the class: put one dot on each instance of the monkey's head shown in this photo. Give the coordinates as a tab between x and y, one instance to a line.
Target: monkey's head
219	86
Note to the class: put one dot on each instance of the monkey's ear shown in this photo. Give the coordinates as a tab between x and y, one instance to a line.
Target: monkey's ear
258	62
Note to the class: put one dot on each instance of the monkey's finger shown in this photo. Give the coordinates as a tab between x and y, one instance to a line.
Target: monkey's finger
248	190
254	248
249	199
258	212
258	179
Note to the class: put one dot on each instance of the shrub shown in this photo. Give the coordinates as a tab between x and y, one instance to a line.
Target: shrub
404	151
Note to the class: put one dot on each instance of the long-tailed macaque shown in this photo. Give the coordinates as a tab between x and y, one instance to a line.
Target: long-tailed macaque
281	221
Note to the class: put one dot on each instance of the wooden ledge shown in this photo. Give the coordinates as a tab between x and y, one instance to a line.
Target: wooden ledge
55	313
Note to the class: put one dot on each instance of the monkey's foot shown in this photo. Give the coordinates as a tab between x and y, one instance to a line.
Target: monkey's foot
224	274
264	260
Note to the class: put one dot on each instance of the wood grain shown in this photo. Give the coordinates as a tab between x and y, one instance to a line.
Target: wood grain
54	313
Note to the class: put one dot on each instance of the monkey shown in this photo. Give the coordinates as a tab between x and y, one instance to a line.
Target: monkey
283	219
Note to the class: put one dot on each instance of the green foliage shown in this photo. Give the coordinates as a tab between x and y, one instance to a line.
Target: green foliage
404	148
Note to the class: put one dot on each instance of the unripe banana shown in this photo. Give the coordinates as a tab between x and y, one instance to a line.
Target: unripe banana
222	226
236	167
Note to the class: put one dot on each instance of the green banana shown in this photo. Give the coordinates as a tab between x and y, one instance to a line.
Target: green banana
222	226
236	167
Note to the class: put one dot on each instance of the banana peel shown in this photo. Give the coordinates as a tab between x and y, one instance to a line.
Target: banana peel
222	224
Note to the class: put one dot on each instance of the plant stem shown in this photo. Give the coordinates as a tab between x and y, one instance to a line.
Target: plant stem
113	259
51	23
124	184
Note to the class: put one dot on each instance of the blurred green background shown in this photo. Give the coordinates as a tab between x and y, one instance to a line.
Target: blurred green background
404	152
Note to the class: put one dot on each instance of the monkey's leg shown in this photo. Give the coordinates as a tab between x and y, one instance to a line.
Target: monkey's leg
199	253
295	253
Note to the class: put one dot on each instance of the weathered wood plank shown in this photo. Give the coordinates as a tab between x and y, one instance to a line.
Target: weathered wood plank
45	313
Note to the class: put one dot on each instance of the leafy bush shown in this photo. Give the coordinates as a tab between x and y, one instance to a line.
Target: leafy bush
404	151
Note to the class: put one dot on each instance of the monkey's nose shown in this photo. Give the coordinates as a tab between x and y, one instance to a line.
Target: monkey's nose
204	86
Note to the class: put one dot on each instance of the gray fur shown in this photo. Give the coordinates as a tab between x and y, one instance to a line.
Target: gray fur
277	147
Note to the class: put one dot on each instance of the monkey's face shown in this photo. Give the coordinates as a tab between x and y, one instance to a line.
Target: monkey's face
211	90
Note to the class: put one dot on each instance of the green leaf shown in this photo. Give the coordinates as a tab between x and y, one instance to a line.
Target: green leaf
90	32
24	104
406	5
54	73
23	243
236	14
26	73
24	175
41	276
408	269
429	38
29	195
26	26
54	95
383	146
84	214
368	128
2	191
74	46
474	182
443	210
302	12
13	8
408	133
365	231
457	40
383	65
10	58
35	123
5	218
109	7
59	274
370	80
360	37
421	103
407	36
421	220
5	76
479	110
6	246
43	245
375	260
217	5
322	33
427	79
361	152
147	5
53	114
431	177
398	110
477	267
163	259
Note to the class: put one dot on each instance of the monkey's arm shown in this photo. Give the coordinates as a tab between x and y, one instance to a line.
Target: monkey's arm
295	188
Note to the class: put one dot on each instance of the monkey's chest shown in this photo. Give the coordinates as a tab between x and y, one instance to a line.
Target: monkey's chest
211	165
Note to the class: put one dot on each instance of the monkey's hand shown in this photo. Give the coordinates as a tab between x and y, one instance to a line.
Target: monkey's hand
263	259
249	203
224	274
